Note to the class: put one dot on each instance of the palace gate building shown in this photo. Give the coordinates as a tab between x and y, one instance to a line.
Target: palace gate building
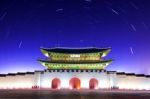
75	68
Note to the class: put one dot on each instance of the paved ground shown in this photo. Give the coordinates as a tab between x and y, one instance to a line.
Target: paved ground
68	94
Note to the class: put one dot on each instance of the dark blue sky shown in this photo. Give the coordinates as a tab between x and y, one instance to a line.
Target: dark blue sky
27	25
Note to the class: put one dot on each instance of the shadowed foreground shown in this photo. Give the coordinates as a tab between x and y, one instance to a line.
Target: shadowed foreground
68	94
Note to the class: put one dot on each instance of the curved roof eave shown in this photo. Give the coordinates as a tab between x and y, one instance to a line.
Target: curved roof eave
75	50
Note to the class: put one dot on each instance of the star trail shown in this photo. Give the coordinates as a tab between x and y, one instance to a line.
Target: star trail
27	25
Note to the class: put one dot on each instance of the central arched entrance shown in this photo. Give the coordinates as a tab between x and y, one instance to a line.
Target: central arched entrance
93	83
55	83
75	83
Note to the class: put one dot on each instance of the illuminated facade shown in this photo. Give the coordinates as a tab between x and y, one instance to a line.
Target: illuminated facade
78	68
75	59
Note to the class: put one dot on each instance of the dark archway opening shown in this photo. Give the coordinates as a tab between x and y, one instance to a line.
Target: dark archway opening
55	83
75	83
93	83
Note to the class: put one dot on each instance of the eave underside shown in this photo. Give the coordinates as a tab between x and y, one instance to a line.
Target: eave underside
76	62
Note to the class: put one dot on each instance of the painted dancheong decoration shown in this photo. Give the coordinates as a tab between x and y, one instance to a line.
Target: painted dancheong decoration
76	59
75	68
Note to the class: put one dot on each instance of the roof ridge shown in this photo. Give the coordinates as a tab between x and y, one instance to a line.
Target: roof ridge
78	48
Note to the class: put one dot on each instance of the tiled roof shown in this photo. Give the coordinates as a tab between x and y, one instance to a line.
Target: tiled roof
72	62
76	50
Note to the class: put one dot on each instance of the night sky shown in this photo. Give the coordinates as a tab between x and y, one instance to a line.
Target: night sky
27	25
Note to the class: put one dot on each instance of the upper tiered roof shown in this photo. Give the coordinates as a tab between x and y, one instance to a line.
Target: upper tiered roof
76	50
65	50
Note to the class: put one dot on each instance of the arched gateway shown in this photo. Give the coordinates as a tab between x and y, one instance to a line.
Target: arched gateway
93	83
55	83
75	83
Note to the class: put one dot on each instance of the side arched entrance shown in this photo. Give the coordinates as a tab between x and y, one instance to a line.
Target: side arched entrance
93	83
75	83
56	83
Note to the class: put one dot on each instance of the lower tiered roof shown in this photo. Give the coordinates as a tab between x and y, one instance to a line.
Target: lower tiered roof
75	65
